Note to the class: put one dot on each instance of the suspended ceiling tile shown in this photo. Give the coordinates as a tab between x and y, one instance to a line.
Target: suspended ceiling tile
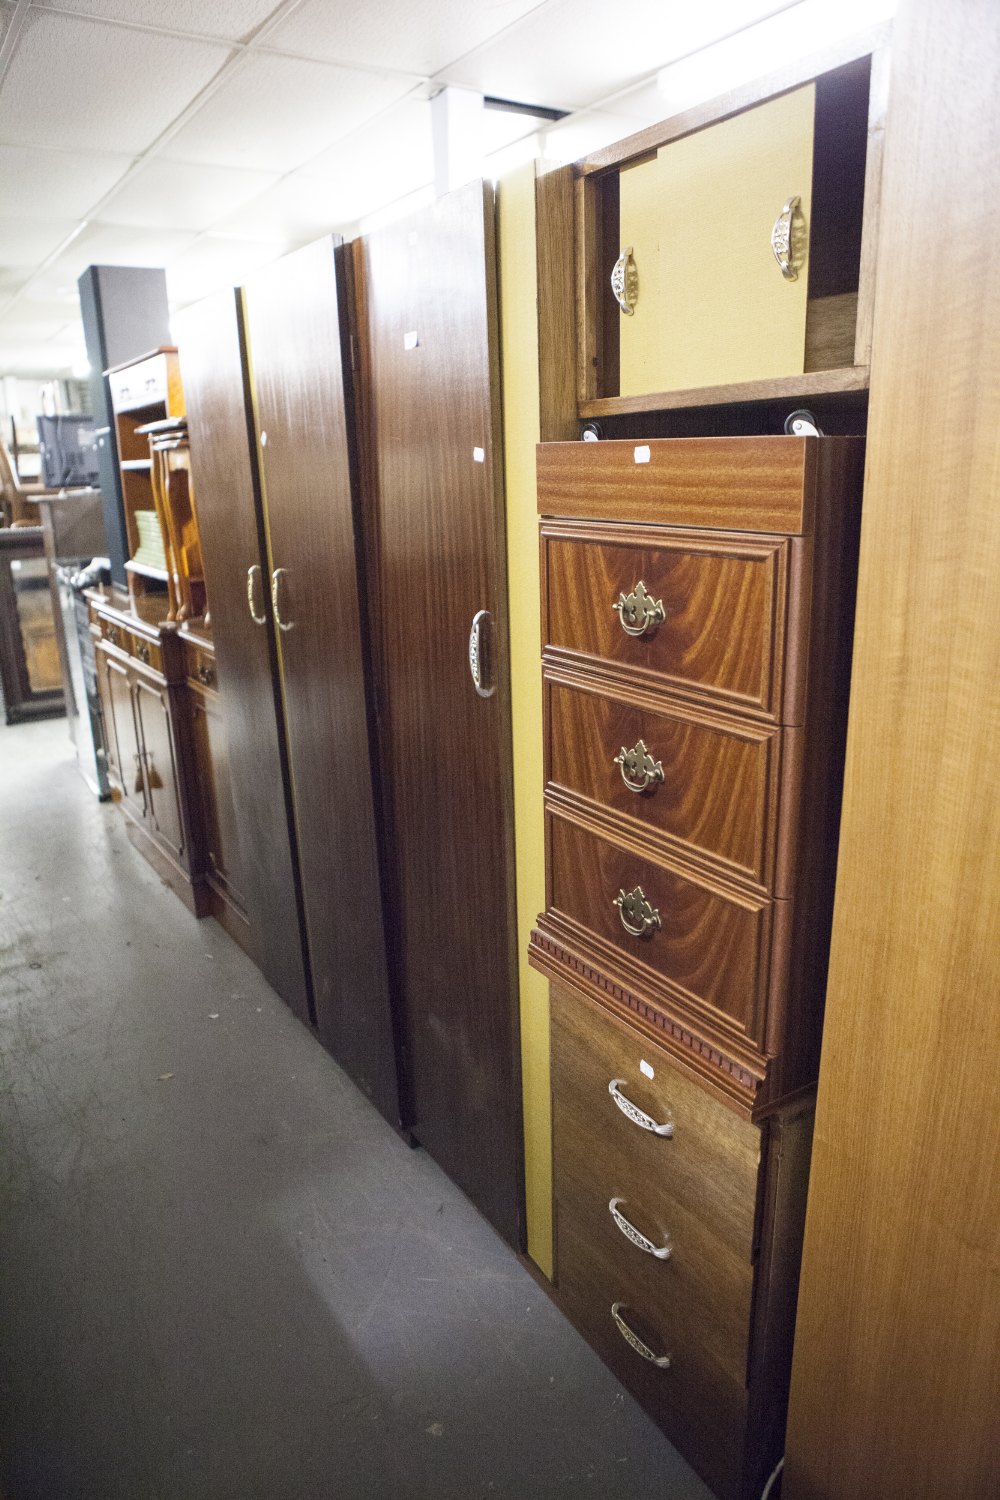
565	55
28	316
111	245
213	263
295	210
55	184
181	195
25	242
419	39
275	113
233	19
388	158
75	82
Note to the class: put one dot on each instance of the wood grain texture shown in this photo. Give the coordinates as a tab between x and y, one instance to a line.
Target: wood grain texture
710	951
223	458
764	484
432	402
704	581
556	306
796	388
293	315
896	1379
716	803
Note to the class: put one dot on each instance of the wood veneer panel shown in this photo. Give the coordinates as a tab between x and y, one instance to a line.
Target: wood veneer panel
738	484
293	313
716	798
230	523
704	581
896	1376
432	388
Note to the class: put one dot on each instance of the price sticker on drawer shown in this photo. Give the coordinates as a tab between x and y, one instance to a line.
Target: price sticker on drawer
641	453
645	1069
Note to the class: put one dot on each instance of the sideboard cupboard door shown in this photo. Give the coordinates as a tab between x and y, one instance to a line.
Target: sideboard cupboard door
429	318
124	760
293	312
230	522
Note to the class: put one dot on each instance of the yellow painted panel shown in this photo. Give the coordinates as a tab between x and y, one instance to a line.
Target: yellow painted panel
713	306
519	359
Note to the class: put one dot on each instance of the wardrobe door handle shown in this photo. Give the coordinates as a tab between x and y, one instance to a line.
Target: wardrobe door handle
254	580
276	578
635	1114
661	1252
662	1361
480	654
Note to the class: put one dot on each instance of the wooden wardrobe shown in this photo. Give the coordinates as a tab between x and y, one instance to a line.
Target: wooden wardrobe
282	568
430	385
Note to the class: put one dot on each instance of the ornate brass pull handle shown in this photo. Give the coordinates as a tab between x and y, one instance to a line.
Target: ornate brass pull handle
137	784
276	577
638	611
661	1252
662	1361
114	635
638	917
638	1116
142	652
787	236
254	580
625	282
639	770
205	674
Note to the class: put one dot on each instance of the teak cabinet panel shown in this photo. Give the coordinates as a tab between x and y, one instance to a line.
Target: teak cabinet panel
159	758
429	356
235	558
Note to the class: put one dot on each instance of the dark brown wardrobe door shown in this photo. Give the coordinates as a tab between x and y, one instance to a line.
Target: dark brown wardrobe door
294	335
225	486
427	293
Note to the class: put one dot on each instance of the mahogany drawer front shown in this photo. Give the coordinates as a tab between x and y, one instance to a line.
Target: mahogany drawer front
736	484
702	1290
148	652
724	608
114	633
707	1167
710	949
201	666
700	1406
706	785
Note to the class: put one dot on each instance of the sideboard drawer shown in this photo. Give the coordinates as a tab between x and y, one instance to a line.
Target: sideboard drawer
707	1166
689	588
702	784
710	949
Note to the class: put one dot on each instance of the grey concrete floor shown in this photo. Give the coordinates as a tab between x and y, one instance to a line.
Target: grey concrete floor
222	1276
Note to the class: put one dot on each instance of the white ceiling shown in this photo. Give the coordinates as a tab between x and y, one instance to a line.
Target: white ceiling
210	137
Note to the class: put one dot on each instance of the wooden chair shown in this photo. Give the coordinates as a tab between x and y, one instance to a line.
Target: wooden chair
15	496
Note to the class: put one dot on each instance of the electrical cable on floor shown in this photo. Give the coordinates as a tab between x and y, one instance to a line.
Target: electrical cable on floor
769	1486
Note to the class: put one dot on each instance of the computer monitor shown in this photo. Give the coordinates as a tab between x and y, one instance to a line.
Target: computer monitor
68	450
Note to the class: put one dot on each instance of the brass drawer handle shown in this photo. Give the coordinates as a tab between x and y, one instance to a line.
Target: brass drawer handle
636	1115
254	580
662	1361
276	581
638	611
661	1252
625	282
113	634
787	237
142	652
638	917
205	674
639	770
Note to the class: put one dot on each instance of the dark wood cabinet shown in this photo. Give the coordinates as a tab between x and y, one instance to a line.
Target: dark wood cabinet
427	332
248	710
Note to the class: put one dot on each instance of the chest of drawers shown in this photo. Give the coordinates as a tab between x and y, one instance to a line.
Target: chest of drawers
697	614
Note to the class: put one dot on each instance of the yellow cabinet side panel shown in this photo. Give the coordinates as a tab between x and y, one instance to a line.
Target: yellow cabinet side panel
519	360
713	305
